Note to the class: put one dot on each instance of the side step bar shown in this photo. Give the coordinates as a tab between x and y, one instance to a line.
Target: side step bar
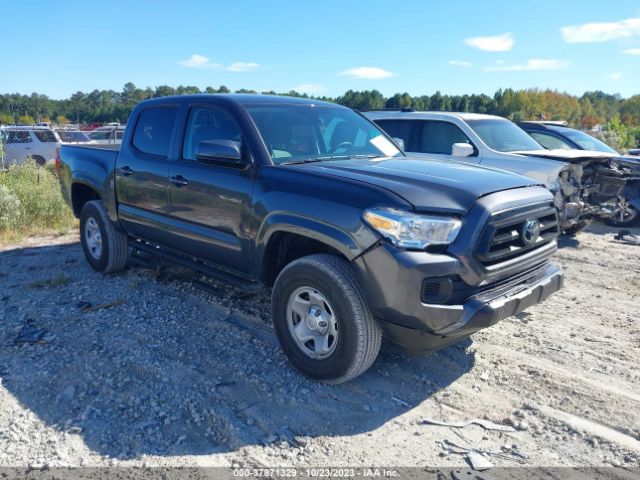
209	270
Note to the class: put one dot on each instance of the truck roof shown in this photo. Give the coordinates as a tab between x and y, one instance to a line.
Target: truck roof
241	98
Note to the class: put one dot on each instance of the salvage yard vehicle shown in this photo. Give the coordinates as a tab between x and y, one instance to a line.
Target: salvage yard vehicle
73	135
553	136
109	134
309	198
584	186
23	142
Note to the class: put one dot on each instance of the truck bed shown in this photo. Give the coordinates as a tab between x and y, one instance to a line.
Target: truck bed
90	165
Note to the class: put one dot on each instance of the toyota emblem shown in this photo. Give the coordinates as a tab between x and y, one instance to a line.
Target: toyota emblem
530	232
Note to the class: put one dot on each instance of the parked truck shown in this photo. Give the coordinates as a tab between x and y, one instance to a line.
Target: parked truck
311	199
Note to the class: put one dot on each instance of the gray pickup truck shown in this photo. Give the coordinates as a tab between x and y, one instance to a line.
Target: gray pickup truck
314	201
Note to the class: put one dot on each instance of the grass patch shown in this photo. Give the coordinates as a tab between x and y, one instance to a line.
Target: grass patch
57	281
31	203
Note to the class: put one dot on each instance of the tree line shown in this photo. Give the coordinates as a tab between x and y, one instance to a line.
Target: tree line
586	111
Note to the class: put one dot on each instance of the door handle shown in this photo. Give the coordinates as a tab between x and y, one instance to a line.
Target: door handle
178	180
125	171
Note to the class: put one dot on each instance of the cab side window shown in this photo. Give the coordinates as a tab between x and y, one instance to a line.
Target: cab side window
154	130
439	137
208	123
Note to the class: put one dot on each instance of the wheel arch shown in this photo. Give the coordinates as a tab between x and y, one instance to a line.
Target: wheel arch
81	193
285	238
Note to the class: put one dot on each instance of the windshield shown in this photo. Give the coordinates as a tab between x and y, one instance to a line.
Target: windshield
586	142
504	136
305	132
69	136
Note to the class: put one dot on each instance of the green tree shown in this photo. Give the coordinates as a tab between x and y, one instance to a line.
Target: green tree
630	111
26	120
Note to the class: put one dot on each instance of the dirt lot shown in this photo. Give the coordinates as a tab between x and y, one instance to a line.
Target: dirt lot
173	375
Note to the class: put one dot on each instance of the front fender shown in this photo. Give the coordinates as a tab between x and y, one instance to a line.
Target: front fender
349	244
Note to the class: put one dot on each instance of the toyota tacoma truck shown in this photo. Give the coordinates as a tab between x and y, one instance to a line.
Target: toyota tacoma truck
311	199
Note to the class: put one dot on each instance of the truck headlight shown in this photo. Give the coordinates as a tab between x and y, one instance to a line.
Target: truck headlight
410	230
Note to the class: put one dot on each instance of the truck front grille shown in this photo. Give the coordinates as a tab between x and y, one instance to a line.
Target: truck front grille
512	233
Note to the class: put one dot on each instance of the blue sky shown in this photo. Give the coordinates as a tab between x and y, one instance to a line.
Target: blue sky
323	48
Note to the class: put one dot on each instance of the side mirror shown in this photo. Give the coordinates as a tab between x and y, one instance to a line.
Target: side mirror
220	152
462	150
399	143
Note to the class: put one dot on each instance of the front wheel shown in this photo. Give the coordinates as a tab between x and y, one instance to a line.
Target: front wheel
104	246
576	228
322	320
624	215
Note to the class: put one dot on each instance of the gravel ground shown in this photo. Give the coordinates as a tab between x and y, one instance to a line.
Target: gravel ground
173	375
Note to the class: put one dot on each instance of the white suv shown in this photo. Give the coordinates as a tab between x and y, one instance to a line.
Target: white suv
20	143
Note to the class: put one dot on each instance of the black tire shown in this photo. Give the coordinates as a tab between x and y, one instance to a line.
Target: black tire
114	250
40	161
577	228
632	219
359	338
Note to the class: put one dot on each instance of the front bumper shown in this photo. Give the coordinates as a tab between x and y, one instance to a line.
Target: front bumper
423	327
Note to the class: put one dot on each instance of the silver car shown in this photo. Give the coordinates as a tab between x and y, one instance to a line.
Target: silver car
494	141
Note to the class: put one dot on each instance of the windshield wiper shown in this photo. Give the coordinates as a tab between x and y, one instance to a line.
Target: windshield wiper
317	159
328	158
364	155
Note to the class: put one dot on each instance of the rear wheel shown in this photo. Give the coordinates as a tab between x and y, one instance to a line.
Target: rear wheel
322	321
104	246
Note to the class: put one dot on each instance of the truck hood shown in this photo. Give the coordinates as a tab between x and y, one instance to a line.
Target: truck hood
429	186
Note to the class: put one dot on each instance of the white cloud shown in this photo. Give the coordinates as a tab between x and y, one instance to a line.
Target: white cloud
496	43
198	61
459	63
371	73
202	62
614	76
533	64
310	88
600	31
242	67
632	51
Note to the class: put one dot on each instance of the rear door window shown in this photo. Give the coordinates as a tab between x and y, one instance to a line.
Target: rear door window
46	136
154	130
439	137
